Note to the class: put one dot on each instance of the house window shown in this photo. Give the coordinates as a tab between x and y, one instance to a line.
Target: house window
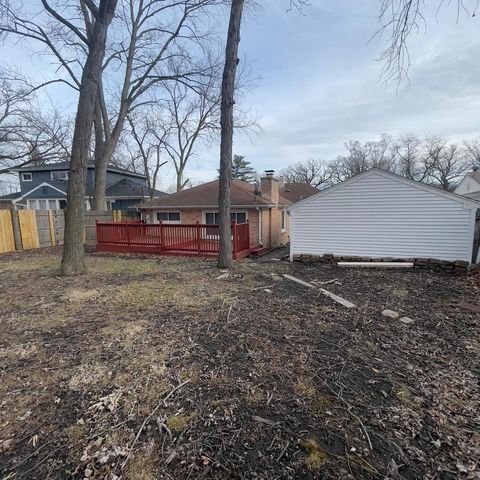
59	175
212	218
168	217
284	220
27	177
42	204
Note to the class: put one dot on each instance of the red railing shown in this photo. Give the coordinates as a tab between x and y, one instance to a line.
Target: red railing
198	240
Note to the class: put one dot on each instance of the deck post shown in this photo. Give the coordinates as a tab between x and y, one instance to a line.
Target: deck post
198	237
127	232
235	240
162	239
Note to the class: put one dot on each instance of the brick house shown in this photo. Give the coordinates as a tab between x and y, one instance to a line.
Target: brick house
262	206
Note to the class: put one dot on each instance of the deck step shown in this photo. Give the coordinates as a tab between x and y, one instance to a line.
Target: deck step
258	251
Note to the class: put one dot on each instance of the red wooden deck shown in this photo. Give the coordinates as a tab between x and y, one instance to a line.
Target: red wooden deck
167	239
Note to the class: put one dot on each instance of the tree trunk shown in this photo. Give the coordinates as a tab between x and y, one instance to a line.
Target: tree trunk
73	261
226	142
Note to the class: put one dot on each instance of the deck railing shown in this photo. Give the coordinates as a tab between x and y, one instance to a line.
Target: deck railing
169	239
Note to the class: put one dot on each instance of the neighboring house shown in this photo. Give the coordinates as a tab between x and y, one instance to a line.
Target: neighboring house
378	214
470	183
263	207
45	188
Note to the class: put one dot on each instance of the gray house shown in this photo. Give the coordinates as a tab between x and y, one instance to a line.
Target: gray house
45	188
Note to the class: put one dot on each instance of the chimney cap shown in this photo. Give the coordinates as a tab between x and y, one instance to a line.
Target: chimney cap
269	173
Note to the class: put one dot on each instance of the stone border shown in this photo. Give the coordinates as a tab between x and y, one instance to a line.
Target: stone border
457	266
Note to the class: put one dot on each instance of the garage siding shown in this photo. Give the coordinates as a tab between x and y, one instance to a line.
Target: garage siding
378	216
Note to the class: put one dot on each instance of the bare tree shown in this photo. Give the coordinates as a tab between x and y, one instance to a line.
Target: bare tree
194	116
147	153
409	159
314	172
73	261
399	19
472	151
162	38
226	140
447	162
28	134
154	41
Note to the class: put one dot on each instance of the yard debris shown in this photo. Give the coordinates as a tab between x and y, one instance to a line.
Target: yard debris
222	276
390	314
331	295
407	320
280	386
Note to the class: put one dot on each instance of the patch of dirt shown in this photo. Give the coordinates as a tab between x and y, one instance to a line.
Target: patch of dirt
150	367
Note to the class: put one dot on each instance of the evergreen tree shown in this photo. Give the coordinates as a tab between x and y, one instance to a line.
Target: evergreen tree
242	170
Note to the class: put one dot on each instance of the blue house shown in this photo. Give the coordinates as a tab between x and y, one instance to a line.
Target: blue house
44	187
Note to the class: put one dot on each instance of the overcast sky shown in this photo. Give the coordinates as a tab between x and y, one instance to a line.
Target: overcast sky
317	82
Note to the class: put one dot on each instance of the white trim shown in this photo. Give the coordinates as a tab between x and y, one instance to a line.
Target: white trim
199	207
44	184
26	173
398	178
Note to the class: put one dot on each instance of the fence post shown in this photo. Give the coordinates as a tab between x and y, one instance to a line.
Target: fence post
125	223
198	237
162	239
235	240
52	228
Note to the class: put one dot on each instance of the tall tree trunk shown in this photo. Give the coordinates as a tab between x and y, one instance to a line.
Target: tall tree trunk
73	261
226	124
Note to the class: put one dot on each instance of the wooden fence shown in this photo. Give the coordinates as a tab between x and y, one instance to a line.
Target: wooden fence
27	229
169	239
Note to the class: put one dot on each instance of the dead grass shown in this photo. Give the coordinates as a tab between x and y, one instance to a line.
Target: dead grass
85	361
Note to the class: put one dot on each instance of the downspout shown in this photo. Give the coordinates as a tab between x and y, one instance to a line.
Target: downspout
270	227
260	229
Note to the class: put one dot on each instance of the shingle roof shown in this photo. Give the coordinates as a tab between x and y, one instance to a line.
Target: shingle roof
243	194
206	195
10	196
65	166
129	188
297	191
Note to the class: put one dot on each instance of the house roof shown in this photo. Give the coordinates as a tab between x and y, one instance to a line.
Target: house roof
243	194
10	196
65	166
129	188
399	178
475	175
297	191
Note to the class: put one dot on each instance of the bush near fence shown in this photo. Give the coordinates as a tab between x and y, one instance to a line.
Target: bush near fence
27	229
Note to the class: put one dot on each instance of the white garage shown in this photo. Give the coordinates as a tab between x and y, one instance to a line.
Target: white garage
378	214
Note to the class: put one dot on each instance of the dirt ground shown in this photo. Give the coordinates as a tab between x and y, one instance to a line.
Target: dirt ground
152	368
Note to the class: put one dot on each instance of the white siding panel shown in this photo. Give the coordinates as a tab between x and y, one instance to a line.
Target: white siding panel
378	216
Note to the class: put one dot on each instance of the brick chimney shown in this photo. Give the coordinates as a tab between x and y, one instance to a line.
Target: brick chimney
269	186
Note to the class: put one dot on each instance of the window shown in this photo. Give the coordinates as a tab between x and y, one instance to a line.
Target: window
59	175
284	220
168	217
41	204
212	218
238	217
27	177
